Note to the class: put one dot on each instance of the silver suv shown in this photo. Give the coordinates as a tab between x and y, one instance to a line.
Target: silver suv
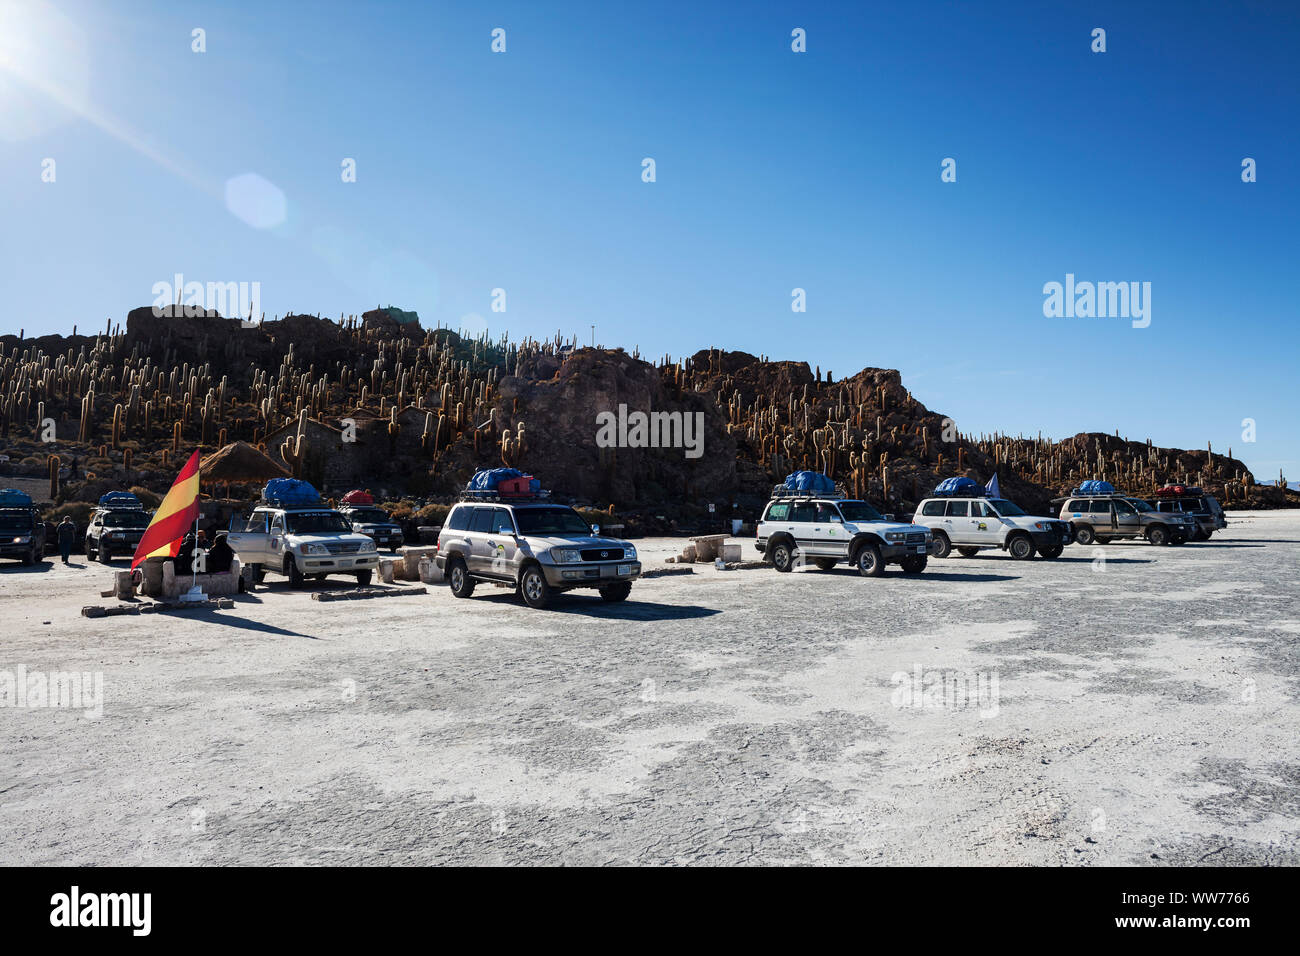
302	541
1109	517
534	545
826	529
1204	509
969	523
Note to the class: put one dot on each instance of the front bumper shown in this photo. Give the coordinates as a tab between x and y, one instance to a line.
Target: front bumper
11	550
337	562
1046	540
590	574
897	552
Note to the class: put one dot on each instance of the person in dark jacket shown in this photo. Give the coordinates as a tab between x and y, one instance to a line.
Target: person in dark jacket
67	535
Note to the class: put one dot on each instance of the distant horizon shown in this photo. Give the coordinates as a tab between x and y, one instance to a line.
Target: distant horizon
1040	235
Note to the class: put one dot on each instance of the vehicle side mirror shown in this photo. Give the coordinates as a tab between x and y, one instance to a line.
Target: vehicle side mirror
889	517
835	519
595	529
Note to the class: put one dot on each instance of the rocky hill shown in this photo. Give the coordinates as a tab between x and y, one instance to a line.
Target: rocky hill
412	413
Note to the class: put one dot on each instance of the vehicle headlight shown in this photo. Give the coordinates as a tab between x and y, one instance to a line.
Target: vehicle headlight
895	536
565	556
1042	526
367	546
22	539
315	549
629	552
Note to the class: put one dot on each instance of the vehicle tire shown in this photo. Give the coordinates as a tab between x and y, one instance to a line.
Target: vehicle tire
782	558
1158	535
259	573
940	546
968	552
825	564
869	562
105	554
1083	534
1207	535
1101	540
533	587
1021	547
1178	539
914	565
462	585
363	577
296	579
1053	552
90	553
30	556
616	592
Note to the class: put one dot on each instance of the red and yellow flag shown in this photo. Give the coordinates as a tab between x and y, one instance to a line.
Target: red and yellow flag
174	517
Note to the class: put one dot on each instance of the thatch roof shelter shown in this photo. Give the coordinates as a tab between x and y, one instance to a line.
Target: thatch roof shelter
240	462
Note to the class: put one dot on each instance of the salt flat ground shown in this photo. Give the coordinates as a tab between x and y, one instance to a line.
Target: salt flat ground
1144	713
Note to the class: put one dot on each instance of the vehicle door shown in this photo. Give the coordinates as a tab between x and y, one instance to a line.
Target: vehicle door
249	537
957	522
802	514
828	530
987	526
778	519
93	532
1125	518
478	554
500	544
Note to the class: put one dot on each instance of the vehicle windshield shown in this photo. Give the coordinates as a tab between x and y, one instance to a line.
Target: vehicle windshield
316	522
1139	504
561	521
126	519
859	511
369	516
16	522
1008	509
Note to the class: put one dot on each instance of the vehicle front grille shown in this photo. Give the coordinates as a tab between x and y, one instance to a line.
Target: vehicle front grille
347	547
602	554
916	537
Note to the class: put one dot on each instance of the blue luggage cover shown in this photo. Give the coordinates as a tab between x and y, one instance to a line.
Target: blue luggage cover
489	478
13	498
290	491
120	500
951	487
813	481
1093	487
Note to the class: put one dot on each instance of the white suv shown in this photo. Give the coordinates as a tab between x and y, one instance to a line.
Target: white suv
969	523
302	541
825	529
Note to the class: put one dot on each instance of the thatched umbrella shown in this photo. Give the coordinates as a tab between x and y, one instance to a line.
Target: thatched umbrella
239	462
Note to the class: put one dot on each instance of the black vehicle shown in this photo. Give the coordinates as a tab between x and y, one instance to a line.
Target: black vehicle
22	532
116	527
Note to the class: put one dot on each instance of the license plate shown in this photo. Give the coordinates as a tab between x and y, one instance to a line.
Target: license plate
624	569
921	549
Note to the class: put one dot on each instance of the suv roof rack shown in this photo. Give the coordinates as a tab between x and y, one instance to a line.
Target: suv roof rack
781	491
491	494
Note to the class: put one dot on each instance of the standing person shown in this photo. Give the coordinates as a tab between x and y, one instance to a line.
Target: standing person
67	534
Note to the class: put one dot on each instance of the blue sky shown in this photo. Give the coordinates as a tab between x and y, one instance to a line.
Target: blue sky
775	170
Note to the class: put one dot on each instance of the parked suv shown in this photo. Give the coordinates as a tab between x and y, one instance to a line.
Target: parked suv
22	532
970	523
116	527
1107	517
301	541
533	545
374	522
1204	509
826	529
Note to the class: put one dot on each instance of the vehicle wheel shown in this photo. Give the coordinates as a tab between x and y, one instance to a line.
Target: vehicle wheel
1178	539
536	592
782	558
30	556
1021	547
616	592
296	579
259	573
870	563
1207	535
940	546
462	585
825	564
105	555
363	577
1158	535
1101	540
914	565
968	552
1083	535
90	553
1053	552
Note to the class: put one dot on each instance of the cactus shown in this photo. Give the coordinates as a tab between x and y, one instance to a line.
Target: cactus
54	477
